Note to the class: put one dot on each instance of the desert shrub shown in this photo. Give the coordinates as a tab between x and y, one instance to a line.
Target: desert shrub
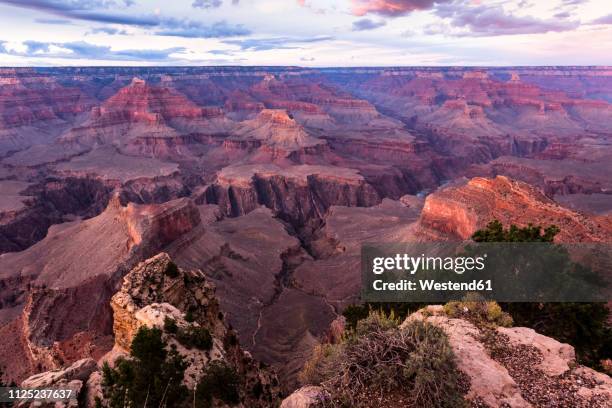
220	381
415	361
377	321
170	325
354	313
321	365
479	311
172	270
195	336
583	325
151	374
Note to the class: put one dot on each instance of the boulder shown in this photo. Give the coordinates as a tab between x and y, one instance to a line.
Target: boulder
305	397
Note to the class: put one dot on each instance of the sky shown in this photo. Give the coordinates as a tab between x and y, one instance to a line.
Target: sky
317	33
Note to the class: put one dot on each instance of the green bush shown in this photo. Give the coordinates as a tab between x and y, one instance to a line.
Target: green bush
478	311
415	362
151	374
377	320
220	381
195	336
354	313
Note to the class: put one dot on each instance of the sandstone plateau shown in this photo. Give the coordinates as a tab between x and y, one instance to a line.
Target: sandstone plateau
267	181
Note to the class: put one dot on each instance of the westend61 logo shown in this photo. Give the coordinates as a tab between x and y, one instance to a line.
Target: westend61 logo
410	264
506	272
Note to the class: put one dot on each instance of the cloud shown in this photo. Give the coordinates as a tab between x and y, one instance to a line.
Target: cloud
34	47
603	20
82	10
195	29
264	44
84	50
563	14
392	8
367	24
107	30
206	4
57	21
493	20
573	2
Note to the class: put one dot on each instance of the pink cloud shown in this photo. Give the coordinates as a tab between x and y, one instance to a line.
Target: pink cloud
391	8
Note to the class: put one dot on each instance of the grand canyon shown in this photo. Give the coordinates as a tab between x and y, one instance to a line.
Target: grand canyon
264	182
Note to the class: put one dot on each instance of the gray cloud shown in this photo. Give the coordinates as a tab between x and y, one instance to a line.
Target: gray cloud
563	14
56	21
84	50
263	44
107	30
493	21
194	29
603	20
367	24
573	2
83	10
205	4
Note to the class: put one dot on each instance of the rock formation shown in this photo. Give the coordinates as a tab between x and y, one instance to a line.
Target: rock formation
78	266
148	297
460	210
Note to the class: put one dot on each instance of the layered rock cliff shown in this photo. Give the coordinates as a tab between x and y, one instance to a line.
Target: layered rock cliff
149	296
77	267
458	211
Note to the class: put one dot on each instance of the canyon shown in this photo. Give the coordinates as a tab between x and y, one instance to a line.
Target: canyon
268	180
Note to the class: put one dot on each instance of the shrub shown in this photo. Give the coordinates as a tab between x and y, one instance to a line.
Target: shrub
150	374
220	381
172	270
321	364
415	362
170	325
354	313
195	336
478	311
377	321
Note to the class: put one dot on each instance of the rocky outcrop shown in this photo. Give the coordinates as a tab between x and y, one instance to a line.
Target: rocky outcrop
458	211
489	380
150	295
77	267
498	378
297	193
276	128
72	378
